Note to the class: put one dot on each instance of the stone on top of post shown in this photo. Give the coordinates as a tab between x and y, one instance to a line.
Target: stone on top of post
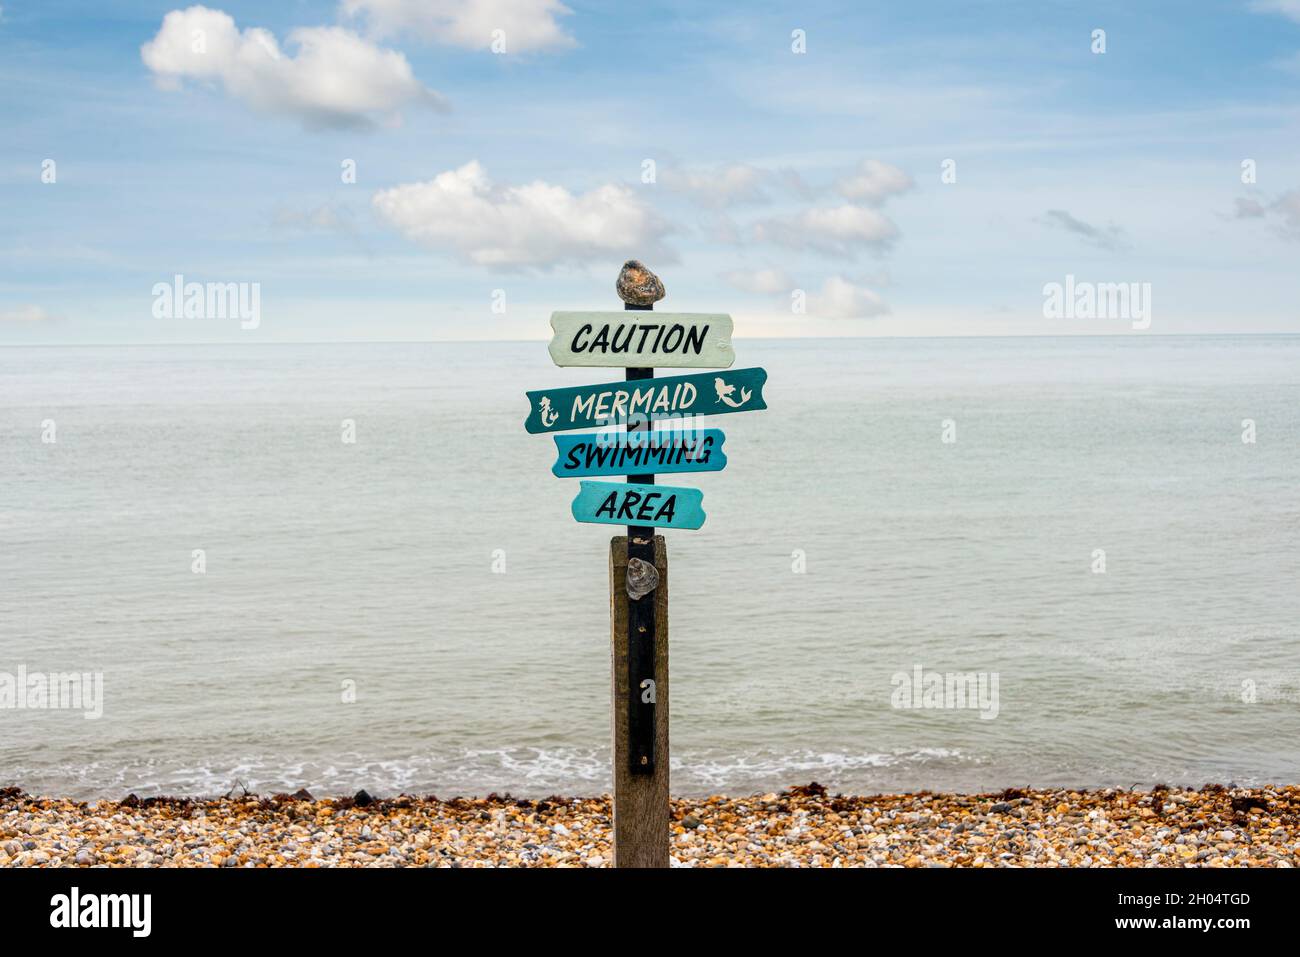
637	285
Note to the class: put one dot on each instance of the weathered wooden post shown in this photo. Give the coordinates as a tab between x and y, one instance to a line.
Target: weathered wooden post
639	648
640	766
638	562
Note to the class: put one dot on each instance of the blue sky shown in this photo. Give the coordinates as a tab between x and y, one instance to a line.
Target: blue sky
518	178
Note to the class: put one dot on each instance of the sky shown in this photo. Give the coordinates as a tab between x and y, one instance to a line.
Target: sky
429	169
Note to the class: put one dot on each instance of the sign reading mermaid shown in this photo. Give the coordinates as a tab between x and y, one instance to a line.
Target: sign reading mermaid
663	399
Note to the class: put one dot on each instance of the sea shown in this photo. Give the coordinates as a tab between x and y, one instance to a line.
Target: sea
955	564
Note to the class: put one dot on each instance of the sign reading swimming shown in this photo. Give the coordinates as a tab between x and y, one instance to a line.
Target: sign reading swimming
695	340
655	400
615	503
640	453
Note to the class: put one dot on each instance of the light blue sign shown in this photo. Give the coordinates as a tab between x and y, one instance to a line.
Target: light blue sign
619	503
640	453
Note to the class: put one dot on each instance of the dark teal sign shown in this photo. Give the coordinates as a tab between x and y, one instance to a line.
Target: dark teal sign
656	400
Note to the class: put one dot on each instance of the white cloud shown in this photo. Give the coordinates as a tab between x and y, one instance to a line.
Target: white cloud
838	299
1109	237
873	182
718	227
1249	208
834	229
1283	212
793	181
766	281
724	186
1288	8
536	224
1288	207
841	299
841	229
26	313
524	24
336	78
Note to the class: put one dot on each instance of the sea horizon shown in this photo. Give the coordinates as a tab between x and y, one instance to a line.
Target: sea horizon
416	611
740	337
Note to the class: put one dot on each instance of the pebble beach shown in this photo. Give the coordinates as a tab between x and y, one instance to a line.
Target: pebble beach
804	826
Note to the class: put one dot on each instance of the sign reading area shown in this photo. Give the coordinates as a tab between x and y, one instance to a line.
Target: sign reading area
615	503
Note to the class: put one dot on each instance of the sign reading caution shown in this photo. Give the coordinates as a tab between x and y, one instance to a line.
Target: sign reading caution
692	340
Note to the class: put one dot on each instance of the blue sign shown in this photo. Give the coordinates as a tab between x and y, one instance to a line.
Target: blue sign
639	453
619	503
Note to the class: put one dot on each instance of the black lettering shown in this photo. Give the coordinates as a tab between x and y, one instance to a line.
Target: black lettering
706	445
573	346
627	340
671	344
644	514
607	505
695	337
625	511
668	509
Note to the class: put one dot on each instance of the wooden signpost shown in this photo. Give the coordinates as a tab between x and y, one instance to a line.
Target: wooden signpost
638	563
